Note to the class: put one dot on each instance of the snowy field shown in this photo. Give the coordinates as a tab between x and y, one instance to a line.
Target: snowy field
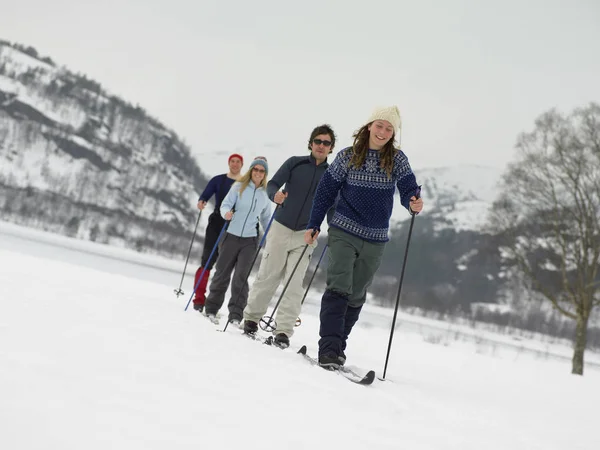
96	352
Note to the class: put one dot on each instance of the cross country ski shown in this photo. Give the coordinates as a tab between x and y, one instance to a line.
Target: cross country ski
345	372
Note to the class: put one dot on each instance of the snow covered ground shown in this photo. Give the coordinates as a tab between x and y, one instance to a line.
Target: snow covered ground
96	352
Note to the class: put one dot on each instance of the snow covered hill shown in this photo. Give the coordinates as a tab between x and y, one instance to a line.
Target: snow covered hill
85	163
108	360
457	197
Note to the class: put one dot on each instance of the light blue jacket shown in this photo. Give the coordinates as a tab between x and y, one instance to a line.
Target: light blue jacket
250	208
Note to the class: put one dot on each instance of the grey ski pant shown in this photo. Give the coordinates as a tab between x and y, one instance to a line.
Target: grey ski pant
235	255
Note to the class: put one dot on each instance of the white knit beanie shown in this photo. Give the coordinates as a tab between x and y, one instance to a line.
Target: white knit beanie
389	113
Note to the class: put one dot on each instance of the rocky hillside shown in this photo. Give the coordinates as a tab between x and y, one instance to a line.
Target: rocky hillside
77	160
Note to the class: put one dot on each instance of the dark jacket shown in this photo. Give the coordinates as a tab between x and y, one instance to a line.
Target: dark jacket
219	187
301	175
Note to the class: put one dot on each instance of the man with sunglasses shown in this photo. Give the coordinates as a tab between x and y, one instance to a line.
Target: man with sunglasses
285	242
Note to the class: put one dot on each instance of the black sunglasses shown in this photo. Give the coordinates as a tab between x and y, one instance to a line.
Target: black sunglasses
256	169
321	141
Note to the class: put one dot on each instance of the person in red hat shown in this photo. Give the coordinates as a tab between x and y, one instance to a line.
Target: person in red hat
219	187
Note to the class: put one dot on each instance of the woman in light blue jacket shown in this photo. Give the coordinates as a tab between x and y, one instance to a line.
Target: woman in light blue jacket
245	206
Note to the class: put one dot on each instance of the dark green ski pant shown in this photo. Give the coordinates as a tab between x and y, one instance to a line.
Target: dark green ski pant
353	263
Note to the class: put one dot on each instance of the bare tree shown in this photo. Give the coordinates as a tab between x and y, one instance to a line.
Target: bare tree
549	213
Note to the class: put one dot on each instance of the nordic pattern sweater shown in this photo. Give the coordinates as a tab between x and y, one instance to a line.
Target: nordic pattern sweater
366	195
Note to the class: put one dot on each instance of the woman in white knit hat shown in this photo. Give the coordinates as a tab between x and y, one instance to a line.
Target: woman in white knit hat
365	176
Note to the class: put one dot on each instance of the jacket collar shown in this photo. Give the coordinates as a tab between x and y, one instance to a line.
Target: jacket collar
312	159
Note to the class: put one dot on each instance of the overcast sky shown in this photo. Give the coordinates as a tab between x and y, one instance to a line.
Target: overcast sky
468	76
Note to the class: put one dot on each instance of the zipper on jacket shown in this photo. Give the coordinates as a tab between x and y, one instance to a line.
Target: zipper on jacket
249	211
307	195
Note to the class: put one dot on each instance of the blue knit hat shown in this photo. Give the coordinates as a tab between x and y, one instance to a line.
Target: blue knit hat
262	161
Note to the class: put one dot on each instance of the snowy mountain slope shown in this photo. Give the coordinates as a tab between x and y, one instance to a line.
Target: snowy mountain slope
457	197
100	168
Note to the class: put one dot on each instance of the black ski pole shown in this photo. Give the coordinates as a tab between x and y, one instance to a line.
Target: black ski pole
179	292
256	254
207	263
298	320
270	324
412	221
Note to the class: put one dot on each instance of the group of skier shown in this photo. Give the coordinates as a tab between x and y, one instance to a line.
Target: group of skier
355	191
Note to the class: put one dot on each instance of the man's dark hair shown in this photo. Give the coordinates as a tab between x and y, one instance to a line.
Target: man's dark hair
322	129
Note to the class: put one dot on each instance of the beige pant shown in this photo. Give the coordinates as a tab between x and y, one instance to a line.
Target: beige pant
280	255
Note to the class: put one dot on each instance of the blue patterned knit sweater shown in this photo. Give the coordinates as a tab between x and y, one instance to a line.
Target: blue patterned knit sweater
366	195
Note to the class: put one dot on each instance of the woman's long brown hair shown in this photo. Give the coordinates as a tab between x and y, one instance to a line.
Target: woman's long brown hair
360	149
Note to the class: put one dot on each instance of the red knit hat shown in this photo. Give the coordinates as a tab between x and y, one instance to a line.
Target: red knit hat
236	155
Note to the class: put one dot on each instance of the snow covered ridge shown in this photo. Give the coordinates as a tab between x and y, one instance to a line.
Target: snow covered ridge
457	197
100	168
20	59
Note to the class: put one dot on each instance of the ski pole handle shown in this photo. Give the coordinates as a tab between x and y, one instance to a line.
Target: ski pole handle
417	196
